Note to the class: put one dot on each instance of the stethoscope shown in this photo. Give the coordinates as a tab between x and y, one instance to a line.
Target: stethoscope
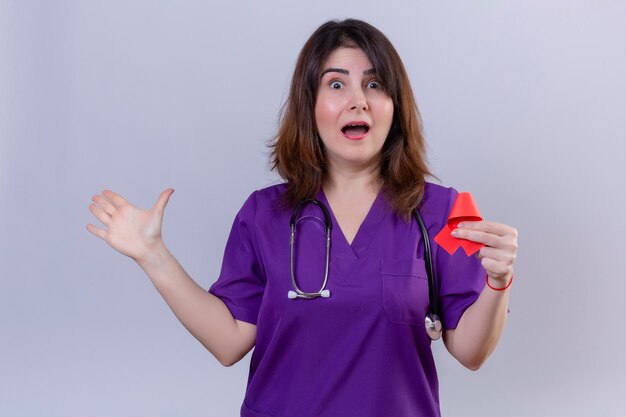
431	322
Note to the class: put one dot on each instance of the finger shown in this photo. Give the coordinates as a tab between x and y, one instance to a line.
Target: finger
495	268
497	254
96	231
105	204
117	199
488	239
100	214
164	197
490	227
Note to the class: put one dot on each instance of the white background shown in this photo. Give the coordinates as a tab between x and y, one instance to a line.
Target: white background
523	104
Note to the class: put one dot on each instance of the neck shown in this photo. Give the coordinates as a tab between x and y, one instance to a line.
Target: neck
353	182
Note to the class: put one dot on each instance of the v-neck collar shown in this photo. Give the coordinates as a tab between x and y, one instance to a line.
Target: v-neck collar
366	232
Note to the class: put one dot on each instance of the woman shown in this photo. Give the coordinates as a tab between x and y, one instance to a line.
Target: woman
350	137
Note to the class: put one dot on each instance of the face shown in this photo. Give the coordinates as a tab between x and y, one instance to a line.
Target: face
352	112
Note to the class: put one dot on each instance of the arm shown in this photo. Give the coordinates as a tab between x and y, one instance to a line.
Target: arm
479	329
482	324
136	233
205	316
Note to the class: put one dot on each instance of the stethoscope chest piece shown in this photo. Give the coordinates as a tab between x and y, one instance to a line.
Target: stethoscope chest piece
433	326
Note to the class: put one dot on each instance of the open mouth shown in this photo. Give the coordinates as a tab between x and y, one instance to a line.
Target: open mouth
355	129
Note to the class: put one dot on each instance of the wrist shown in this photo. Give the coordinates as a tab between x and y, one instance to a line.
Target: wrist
499	285
153	256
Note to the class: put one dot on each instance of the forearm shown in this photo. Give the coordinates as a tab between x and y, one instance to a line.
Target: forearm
205	316
480	328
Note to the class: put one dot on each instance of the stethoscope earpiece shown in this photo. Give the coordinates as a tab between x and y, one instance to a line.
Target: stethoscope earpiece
292	295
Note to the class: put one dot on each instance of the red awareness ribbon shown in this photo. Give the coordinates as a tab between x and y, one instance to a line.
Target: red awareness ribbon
463	209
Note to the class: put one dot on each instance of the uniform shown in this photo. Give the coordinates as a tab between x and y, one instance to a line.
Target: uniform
364	350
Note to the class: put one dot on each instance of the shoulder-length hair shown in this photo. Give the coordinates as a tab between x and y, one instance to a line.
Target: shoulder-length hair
297	151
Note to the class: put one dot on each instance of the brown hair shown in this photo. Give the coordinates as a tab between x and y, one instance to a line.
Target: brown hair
297	152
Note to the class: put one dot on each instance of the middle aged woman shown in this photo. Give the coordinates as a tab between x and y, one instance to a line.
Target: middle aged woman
351	138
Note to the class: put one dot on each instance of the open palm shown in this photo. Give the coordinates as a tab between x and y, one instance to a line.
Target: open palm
129	229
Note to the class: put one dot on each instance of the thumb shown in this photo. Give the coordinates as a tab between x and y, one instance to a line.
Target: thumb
164	197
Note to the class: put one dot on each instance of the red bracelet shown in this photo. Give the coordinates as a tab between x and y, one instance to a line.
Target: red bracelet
499	289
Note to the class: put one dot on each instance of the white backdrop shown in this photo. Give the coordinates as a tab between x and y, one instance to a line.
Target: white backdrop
523	105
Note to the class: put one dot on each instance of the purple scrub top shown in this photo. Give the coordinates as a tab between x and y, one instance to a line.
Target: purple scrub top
364	350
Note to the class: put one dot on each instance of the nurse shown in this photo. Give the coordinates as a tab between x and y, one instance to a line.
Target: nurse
350	137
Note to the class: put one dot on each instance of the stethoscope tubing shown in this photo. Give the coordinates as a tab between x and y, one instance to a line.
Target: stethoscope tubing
434	302
328	225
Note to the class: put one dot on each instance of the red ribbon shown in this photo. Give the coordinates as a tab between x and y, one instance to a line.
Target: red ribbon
463	209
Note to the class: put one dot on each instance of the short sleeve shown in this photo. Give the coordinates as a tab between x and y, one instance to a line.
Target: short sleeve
461	279
242	279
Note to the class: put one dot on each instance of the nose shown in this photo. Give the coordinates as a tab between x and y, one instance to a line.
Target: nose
358	101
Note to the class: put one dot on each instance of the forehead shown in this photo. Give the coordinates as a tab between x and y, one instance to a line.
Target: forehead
347	58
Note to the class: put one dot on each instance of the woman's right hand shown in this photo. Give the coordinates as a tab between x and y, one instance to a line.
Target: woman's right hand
129	230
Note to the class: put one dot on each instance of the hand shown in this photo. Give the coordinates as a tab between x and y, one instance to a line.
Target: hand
130	230
500	250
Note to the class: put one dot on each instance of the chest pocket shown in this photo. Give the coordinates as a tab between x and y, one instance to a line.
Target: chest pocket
405	290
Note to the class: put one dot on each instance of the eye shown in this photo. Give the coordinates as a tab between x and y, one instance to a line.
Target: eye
336	85
373	84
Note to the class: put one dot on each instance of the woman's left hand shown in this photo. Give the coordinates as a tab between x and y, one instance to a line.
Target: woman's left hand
500	250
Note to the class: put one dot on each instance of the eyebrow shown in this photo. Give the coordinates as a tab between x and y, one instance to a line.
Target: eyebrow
345	71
